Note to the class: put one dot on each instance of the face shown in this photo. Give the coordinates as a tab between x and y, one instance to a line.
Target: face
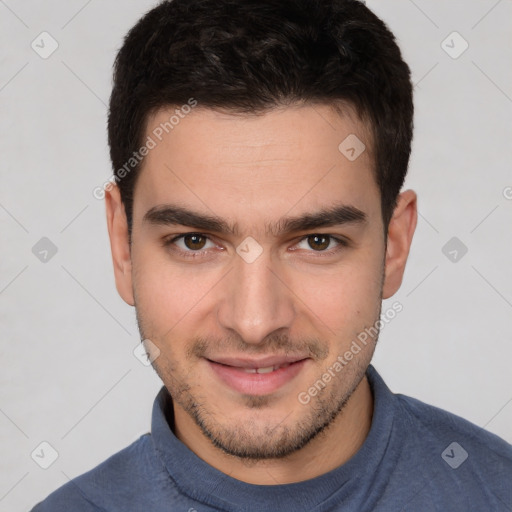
258	256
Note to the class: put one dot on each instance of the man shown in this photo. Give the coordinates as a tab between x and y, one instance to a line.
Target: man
256	224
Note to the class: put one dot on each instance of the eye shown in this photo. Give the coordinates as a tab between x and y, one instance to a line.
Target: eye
190	243
321	242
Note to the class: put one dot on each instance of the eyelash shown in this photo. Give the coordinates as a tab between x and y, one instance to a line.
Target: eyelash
197	254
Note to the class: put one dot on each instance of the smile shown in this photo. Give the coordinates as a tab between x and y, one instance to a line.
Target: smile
255	378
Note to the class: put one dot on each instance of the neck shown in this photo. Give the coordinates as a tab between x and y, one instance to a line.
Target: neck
327	451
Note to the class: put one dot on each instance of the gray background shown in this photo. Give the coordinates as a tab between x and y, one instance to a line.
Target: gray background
68	373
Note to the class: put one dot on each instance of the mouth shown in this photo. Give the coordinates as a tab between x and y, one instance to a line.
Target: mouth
256	377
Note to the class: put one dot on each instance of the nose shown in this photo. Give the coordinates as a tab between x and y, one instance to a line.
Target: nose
257	302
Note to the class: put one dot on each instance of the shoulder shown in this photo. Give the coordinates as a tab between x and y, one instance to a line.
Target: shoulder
456	453
438	424
437	460
119	477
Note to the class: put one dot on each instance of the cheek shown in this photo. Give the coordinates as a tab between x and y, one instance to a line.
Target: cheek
168	296
344	297
157	289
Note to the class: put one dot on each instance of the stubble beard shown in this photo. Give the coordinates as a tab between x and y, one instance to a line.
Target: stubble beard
250	442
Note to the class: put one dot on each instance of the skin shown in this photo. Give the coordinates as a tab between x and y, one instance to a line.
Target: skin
293	299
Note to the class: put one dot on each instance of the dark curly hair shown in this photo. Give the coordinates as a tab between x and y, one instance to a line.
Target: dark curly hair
250	56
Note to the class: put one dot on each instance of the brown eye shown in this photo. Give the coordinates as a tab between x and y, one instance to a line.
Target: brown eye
322	244
194	242
319	242
189	244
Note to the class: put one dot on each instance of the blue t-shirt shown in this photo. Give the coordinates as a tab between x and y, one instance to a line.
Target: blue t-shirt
416	458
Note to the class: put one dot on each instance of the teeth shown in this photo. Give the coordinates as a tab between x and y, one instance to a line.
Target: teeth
269	369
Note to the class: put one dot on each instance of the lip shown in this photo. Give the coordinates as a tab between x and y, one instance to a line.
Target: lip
232	372
264	362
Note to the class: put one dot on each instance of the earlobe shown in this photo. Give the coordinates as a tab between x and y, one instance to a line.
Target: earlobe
400	233
119	243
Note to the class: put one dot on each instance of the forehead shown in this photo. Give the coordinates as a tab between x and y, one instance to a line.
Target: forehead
306	125
298	157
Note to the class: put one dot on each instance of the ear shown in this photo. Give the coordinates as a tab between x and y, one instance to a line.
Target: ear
119	243
400	232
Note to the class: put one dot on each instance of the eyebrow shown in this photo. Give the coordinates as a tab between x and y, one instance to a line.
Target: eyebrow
174	215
